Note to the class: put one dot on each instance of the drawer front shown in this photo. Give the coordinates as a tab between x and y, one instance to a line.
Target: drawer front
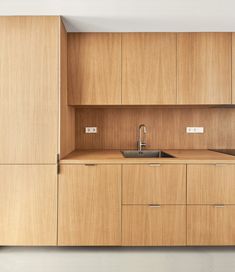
211	184
210	225
144	225
154	184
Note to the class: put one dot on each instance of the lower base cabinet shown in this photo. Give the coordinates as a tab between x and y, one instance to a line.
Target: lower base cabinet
149	225
28	205
210	225
89	205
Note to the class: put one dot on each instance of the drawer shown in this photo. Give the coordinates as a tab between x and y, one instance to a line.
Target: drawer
144	225
211	184
154	184
211	225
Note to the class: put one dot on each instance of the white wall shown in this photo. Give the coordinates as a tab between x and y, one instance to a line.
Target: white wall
13	259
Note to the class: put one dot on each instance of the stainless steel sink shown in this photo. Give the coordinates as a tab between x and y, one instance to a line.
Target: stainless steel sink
145	154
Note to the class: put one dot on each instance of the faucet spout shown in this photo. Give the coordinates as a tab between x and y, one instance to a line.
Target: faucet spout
140	143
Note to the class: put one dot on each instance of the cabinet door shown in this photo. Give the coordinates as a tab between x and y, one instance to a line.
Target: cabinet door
94	68
153	226
90	205
148	68
28	205
210	225
204	68
29	88
154	184
211	184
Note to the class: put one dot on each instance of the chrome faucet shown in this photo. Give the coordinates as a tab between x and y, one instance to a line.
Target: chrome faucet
140	143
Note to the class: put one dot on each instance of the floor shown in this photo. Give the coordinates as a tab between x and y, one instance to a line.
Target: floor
26	259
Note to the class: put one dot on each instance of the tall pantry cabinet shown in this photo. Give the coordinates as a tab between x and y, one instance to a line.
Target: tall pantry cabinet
29	108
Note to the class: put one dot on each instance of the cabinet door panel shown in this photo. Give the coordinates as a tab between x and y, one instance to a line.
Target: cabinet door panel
90	205
29	87
28	205
148	68
211	184
153	226
210	225
94	68
154	184
204	68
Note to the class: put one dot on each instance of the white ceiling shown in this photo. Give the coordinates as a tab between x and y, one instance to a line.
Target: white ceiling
131	15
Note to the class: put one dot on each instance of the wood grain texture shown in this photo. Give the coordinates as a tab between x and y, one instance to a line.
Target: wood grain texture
67	114
28	205
211	184
29	88
166	128
94	68
182	156
148	68
90	205
204	68
233	68
210	226
153	226
154	184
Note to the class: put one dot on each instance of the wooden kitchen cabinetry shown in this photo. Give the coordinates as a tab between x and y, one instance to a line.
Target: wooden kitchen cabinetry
210	225
211	204
94	68
151	214
154	184
29	89
148	68
89	205
160	225
28	205
204	68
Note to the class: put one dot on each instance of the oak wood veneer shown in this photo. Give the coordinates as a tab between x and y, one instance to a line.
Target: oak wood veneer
67	114
148	68
166	128
154	184
29	89
94	68
153	226
89	205
233	68
28	205
211	184
204	68
210	225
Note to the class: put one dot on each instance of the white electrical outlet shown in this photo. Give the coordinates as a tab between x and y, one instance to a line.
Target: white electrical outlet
90	129
195	129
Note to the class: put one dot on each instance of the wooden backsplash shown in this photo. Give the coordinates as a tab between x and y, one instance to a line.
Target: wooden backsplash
166	127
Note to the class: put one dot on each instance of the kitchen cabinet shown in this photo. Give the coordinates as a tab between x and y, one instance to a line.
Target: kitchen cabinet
148	68
89	205
204	68
211	184
28	205
29	89
163	225
94	68
209	225
154	184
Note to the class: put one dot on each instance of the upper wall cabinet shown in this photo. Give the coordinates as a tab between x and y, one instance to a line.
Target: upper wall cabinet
94	68
29	87
204	68
148	68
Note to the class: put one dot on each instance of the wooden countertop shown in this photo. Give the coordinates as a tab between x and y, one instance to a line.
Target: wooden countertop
115	157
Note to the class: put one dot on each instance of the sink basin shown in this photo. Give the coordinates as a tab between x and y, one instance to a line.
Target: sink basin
145	154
